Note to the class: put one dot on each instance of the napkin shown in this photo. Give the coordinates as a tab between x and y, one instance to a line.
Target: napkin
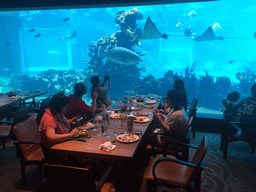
89	125
107	146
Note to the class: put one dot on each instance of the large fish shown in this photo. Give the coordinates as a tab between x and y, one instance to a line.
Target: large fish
120	55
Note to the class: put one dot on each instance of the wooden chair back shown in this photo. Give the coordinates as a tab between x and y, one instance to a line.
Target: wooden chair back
28	131
200	152
44	105
192	108
185	133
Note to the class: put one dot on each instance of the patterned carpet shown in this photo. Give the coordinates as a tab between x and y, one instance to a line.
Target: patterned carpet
236	174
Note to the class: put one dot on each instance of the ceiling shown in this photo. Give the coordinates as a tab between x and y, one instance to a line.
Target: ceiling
19	5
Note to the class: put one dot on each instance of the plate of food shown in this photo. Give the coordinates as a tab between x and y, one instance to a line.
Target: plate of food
142	119
151	101
115	116
126	138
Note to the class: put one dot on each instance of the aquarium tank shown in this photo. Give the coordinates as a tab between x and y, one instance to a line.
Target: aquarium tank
209	45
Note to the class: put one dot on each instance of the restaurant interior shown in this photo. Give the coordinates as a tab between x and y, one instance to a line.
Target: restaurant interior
112	151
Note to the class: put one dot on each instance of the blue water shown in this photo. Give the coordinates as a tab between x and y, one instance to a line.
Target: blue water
34	56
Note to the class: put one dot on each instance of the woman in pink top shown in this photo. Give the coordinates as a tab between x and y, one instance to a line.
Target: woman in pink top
54	126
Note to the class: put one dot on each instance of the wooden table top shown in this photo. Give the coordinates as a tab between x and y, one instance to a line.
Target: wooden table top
91	146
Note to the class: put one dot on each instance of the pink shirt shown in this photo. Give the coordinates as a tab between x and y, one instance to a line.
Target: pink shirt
53	121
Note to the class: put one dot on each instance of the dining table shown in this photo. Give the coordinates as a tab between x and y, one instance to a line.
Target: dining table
20	99
125	151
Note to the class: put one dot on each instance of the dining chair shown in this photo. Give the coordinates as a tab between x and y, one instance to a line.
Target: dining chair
227	135
173	148
44	104
174	173
66	178
6	130
28	146
192	112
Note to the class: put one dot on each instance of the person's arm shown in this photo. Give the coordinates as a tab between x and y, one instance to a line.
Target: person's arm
94	98
160	119
105	80
54	138
73	120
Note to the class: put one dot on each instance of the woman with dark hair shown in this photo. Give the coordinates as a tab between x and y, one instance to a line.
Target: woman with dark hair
77	107
179	86
54	126
100	89
172	124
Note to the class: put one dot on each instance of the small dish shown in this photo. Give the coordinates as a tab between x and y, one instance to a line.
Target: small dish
142	119
125	138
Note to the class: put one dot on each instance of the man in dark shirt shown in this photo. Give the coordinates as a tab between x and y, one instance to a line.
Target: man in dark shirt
77	107
248	107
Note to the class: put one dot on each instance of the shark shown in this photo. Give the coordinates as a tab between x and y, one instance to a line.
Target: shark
71	38
208	36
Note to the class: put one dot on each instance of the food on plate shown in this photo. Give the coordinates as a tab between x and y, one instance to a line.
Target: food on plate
127	138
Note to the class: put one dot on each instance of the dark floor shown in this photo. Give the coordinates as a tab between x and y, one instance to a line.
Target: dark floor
236	174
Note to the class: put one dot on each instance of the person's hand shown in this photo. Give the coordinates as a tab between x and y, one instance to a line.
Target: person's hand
107	77
157	115
73	120
74	132
95	95
156	110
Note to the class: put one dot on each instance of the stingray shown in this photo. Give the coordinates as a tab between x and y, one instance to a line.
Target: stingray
151	32
208	36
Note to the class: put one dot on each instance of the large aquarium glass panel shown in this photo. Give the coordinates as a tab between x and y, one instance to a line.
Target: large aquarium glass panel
209	45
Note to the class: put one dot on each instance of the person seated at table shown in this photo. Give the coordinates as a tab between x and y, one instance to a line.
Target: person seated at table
248	116
179	86
174	124
77	107
163	108
54	126
100	104
234	96
100	89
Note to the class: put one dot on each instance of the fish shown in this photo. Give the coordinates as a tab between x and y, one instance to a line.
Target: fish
231	61
179	26
31	30
120	55
216	26
71	38
189	33
38	35
192	14
66	19
7	43
208	36
255	35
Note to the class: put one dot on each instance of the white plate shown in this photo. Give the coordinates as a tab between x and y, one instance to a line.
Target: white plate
125	138
115	116
142	119
151	102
